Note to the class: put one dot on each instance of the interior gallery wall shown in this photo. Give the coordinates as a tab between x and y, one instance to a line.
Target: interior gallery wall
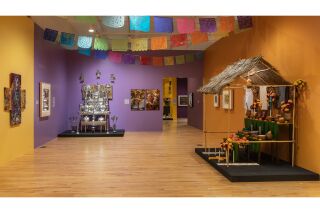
288	43
16	57
133	77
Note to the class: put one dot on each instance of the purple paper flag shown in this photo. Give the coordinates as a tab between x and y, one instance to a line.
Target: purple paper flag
208	24
50	35
100	54
244	22
163	24
128	59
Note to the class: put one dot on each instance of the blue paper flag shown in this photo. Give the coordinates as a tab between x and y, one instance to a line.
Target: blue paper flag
163	24
83	51
140	23
113	21
50	35
84	42
67	39
100	54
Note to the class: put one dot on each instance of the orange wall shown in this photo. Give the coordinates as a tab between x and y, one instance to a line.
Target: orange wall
291	45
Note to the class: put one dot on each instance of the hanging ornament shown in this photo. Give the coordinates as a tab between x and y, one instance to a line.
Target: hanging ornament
98	74
112	78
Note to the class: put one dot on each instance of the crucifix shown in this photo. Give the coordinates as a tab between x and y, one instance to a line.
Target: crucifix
14	99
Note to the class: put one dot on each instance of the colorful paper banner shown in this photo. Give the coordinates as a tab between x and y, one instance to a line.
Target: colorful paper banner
163	24
84	42
157	61
226	23
244	22
180	59
113	21
139	44
178	40
128	59
83	51
145	60
185	25
100	44
100	54
50	35
87	19
159	43
115	57
140	23
119	45
67	39
189	58
199	37
169	60
208	25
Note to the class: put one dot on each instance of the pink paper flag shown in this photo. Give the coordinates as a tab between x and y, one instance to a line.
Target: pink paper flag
185	25
115	57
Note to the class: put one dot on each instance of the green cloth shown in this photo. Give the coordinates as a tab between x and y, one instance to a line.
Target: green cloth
265	126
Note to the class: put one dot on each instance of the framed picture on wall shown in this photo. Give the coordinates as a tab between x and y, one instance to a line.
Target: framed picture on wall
109	90
152	99
138	99
190	99
45	99
216	100
227	99
7	99
15	111
183	100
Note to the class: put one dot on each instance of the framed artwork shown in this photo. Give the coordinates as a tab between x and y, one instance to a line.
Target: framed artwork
183	100
216	100
152	99
45	99
15	112
23	99
227	99
109	91
138	99
190	99
7	99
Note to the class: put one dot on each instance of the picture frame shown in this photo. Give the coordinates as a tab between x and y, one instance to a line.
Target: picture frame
138	99
227	99
190	99
216	100
15	111
45	99
152	99
183	100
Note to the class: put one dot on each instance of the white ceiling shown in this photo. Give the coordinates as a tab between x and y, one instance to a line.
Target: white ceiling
71	25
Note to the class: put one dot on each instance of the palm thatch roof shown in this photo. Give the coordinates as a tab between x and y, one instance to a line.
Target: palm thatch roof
259	71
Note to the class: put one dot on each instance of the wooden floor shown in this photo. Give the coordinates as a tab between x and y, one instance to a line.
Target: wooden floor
140	164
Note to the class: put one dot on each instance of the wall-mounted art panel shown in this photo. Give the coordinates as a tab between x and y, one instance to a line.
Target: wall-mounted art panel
15	85
45	99
138	99
153	99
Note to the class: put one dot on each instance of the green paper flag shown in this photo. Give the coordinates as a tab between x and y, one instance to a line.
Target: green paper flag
189	58
86	19
180	59
100	44
119	45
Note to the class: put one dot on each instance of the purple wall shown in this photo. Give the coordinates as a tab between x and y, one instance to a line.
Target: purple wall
195	113
132	77
49	67
182	89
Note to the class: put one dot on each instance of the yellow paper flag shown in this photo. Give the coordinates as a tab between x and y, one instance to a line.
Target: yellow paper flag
139	44
180	59
169	60
119	45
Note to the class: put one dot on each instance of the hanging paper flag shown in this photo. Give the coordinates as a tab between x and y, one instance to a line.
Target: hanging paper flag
84	42
139	44
185	25
208	25
178	40
115	57
226	23
244	22
128	59
84	51
145	60
50	35
169	60
189	58
119	45
87	19
180	59
67	39
159	43
100	54
100	44
163	24
140	23
157	61
199	56
113	21
199	37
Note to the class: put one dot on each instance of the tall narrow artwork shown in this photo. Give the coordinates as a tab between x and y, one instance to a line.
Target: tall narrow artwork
15	112
7	99
23	99
153	99
45	99
138	99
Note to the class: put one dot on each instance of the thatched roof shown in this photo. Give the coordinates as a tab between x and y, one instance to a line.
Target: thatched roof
259	71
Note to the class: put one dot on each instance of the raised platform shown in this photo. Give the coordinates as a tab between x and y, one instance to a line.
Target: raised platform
265	172
69	133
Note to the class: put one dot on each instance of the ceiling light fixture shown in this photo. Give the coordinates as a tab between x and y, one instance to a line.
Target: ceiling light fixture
91	30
